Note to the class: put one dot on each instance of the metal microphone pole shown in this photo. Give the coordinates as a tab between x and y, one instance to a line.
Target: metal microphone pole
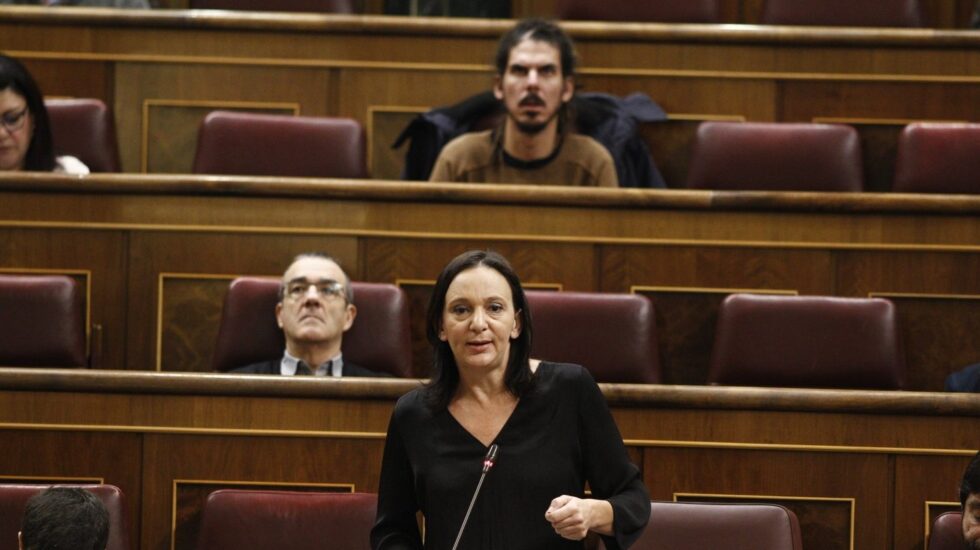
488	462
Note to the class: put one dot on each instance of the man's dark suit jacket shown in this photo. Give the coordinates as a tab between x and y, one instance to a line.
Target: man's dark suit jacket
965	380
272	367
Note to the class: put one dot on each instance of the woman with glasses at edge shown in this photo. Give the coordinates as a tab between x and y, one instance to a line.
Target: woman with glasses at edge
25	133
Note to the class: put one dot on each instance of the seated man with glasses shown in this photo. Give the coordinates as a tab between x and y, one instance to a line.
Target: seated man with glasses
315	309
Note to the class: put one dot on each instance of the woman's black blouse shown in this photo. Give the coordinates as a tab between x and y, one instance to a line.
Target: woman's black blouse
560	436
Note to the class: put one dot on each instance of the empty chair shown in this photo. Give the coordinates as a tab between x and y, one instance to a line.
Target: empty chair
696	526
775	157
666	11
947	532
240	520
938	158
308	6
84	128
614	336
807	341
277	145
42	322
379	339
13	499
860	13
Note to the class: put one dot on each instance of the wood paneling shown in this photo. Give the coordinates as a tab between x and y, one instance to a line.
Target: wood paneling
686	249
100	253
77	456
205	255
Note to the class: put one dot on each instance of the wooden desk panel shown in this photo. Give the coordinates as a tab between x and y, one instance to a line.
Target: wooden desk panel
863	468
162	249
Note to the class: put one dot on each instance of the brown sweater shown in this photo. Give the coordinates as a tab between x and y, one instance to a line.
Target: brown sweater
478	158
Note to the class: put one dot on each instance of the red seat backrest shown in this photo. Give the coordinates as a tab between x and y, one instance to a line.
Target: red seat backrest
84	128
42	322
775	156
807	341
614	336
938	158
235	519
307	6
277	145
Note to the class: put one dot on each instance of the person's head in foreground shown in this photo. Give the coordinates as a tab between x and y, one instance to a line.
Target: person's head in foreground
64	518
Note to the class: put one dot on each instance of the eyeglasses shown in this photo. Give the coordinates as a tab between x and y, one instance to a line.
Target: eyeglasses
14	121
295	290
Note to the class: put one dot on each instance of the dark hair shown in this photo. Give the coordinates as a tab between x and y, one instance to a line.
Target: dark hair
538	30
971	480
40	152
348	288
445	374
65	518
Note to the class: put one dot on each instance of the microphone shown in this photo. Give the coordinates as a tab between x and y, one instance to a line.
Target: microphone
488	462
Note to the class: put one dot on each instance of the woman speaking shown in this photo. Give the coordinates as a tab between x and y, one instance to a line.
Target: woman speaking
548	423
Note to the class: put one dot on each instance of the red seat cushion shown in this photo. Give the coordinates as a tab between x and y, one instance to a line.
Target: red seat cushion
666	11
866	13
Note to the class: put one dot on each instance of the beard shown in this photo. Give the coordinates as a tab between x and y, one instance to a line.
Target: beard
532	127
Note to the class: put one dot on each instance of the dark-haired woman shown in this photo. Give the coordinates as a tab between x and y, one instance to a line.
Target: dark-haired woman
550	422
25	134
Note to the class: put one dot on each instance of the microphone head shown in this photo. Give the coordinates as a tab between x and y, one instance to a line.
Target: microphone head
490	459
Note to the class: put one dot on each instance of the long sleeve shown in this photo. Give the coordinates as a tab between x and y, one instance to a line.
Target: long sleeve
609	471
395	526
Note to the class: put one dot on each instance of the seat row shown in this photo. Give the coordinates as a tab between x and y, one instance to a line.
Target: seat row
866	13
744	156
760	340
234	519
931	158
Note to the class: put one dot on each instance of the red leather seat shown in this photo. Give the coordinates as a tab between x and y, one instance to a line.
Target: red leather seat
612	335
307	6
42	322
238	519
807	341
947	532
696	526
938	158
276	145
13	500
665	11
84	128
379	339
861	13
775	156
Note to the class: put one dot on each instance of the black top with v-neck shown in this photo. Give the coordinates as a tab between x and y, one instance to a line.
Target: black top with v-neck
560	436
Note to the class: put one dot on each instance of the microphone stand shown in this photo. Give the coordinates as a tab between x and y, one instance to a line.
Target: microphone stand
488	462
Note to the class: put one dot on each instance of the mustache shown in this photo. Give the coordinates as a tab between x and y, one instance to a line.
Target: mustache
531	99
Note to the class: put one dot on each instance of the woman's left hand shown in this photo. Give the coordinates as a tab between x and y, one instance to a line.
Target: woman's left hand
573	518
